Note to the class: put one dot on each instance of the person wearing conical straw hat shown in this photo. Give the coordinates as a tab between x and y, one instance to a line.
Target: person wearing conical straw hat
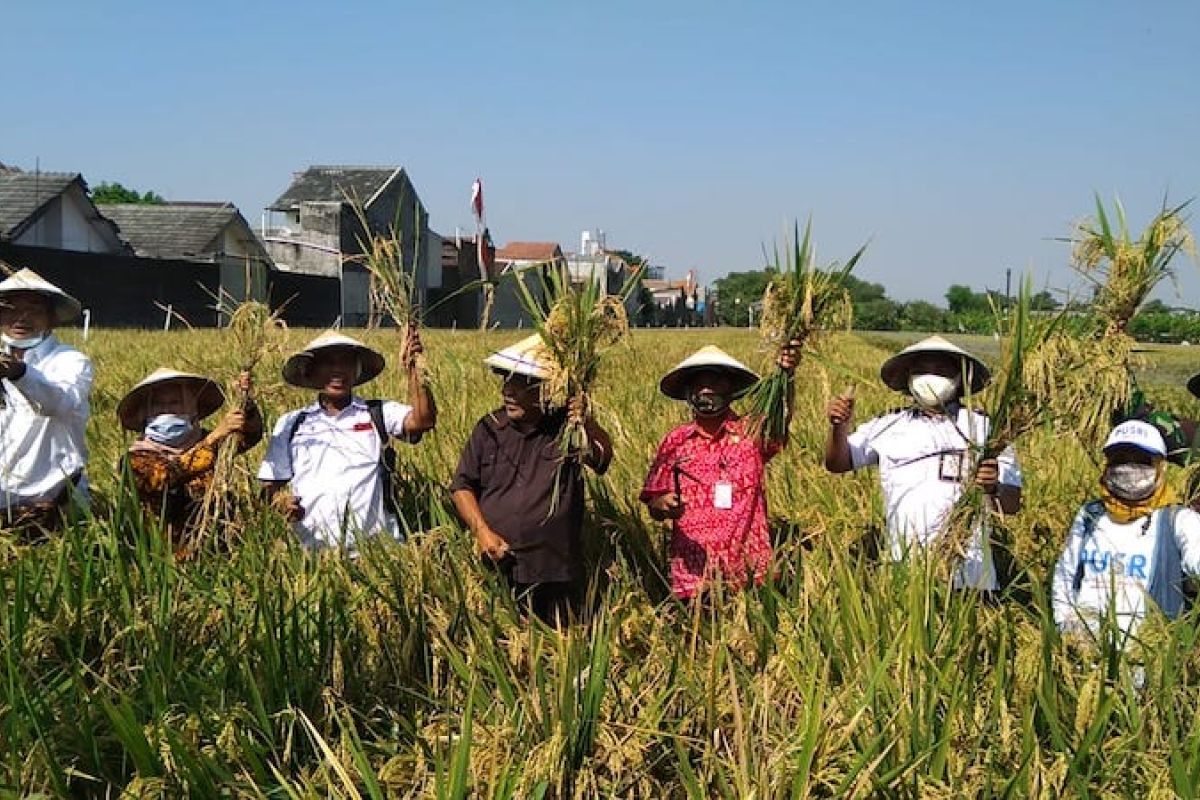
708	476
44	406
1131	549
925	452
523	501
329	465
173	458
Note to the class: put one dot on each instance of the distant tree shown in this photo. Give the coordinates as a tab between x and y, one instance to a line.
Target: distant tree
632	259
112	193
963	300
736	291
877	315
1155	306
863	291
1044	301
920	315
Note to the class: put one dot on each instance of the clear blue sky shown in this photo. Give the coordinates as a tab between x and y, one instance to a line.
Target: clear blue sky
959	137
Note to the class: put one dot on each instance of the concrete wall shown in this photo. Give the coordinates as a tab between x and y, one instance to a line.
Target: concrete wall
507	311
356	296
315	247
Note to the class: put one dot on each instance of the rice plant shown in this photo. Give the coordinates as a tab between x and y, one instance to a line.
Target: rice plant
267	671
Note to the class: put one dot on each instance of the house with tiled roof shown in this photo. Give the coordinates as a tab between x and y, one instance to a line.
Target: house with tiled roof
318	227
523	261
528	253
53	210
207	232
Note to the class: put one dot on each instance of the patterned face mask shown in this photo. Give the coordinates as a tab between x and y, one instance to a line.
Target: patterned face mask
1131	481
708	405
169	429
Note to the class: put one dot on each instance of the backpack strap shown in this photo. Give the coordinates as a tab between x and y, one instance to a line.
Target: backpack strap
1166	576
301	415
387	456
1092	512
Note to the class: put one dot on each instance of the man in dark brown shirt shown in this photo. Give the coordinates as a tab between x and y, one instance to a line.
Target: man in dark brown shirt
521	499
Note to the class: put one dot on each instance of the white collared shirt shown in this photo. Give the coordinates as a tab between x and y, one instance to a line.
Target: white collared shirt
922	461
43	425
333	466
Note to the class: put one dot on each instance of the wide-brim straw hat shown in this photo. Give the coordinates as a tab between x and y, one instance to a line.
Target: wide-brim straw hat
709	358
65	308
132	408
298	368
895	370
527	357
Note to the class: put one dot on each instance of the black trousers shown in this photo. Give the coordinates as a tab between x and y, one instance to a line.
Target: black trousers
555	603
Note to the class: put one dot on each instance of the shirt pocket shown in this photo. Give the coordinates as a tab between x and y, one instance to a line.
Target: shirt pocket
487	466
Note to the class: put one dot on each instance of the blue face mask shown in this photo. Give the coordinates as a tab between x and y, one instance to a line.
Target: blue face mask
27	343
169	429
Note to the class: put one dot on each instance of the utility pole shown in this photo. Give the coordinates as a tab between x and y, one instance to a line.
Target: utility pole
1008	286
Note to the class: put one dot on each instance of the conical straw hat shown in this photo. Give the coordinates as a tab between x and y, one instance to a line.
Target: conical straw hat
297	368
526	357
66	308
132	408
1193	384
895	370
709	357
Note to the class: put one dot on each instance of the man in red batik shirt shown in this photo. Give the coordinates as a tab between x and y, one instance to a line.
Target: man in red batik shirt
708	476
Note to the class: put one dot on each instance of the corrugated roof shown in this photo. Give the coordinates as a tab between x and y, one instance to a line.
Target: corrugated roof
529	251
335	184
22	194
171	230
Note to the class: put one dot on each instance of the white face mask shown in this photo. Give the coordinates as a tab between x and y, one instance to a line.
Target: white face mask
933	391
169	429
27	343
1131	482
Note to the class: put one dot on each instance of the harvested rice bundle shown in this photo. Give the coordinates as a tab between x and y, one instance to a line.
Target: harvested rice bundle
800	303
393	287
576	321
1098	362
254	332
1083	380
1123	270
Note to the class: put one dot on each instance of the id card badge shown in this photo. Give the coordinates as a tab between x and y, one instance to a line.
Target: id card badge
723	495
950	467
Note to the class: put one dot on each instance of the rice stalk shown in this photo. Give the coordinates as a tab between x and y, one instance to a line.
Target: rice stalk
394	290
800	303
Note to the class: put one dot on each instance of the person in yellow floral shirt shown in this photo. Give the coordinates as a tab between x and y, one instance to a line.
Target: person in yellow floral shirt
172	460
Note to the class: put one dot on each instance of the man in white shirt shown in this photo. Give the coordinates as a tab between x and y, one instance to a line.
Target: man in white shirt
925	453
43	406
334	452
1132	545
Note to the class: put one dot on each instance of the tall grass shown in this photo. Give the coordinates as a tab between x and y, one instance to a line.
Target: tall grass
271	672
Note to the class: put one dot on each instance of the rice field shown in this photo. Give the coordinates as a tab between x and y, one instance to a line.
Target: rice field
262	671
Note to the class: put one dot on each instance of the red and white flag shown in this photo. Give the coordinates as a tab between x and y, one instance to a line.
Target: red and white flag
477	200
485	254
